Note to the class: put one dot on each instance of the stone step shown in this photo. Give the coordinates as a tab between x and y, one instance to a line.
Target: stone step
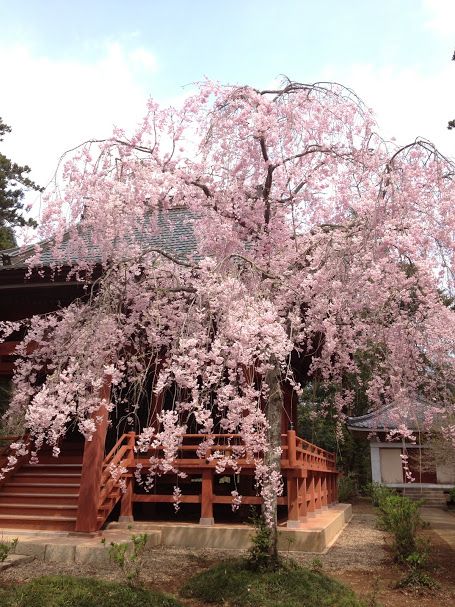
20	521
19	487
30	509
40	498
45	477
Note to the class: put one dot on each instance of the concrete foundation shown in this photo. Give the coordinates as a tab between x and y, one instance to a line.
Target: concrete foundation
316	534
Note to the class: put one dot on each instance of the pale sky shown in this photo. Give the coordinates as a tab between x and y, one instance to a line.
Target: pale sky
70	70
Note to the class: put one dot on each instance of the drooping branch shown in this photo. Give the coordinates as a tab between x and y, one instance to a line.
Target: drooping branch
177	260
262	271
203	187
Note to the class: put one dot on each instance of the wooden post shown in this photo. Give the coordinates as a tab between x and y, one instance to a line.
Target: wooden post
303	498
317	491
292	449
324	492
293	502
329	488
92	468
292	481
311	504
207	498
126	505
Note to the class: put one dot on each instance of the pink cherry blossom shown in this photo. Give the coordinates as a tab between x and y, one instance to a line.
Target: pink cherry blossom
316	245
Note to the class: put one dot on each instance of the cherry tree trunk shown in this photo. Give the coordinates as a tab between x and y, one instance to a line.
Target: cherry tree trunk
273	457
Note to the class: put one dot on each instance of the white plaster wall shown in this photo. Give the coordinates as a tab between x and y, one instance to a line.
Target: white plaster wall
391	465
445	474
375	464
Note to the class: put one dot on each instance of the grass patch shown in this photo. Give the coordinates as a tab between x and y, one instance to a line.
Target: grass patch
232	583
68	591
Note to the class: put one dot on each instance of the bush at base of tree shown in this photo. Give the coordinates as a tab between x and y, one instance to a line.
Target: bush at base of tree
233	583
259	558
68	591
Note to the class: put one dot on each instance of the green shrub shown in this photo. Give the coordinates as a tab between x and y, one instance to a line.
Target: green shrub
378	492
316	565
129	558
452	494
68	591
347	488
6	547
417	577
401	517
233	584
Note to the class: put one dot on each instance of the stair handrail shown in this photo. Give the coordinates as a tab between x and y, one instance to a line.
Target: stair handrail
122	455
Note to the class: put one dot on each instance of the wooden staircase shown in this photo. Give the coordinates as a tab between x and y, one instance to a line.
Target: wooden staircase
45	495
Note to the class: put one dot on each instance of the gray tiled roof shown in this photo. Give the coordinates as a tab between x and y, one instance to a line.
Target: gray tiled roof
175	235
389	418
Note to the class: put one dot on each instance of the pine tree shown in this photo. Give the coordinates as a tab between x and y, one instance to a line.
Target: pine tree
13	184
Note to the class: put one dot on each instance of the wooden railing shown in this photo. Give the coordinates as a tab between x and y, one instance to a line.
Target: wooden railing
310	475
188	452
298	453
116	475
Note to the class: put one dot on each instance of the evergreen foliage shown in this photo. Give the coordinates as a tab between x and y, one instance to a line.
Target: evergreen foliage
13	183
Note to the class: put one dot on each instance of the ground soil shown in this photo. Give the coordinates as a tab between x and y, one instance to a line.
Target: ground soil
359	558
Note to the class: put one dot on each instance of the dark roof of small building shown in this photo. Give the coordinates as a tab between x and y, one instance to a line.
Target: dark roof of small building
175	235
390	417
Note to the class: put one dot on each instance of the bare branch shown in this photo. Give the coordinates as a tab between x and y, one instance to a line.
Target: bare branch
252	264
203	187
166	254
263	149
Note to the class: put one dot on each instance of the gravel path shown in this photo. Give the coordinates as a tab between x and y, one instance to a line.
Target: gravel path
359	547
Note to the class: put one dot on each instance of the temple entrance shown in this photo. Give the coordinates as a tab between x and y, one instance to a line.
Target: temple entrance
422	471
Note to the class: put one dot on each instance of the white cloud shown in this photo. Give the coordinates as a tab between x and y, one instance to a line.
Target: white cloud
440	16
144	59
55	104
407	102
